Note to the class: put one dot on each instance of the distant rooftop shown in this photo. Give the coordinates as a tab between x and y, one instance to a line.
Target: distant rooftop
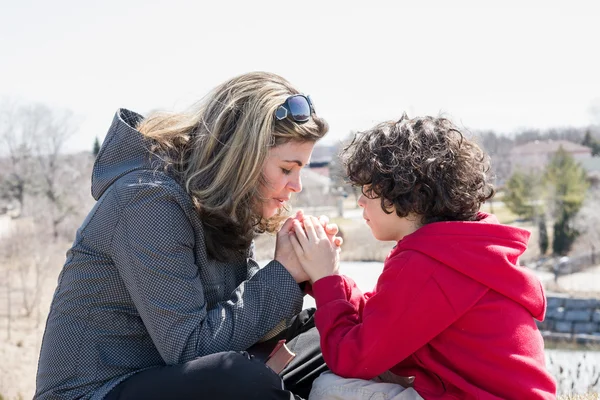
314	176
323	154
549	146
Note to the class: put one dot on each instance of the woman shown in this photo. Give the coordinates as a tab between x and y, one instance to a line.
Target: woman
159	294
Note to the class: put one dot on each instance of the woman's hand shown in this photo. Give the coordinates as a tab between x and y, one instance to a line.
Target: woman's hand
318	254
284	252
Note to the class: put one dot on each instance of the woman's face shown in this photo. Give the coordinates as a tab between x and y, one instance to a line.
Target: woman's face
281	173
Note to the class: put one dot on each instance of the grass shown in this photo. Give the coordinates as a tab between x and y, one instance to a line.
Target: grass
504	215
555	288
19	397
552	344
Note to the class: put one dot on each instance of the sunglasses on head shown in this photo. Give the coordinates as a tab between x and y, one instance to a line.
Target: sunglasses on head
298	107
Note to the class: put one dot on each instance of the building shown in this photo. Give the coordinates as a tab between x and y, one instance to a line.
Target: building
536	155
322	156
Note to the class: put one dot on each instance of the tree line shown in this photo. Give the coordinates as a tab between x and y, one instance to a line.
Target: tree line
557	194
42	193
36	178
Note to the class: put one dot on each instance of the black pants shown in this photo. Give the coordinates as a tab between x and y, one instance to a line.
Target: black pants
235	375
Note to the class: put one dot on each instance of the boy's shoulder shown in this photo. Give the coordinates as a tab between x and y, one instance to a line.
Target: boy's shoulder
409	258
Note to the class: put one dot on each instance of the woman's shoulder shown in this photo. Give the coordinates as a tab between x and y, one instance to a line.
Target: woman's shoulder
144	185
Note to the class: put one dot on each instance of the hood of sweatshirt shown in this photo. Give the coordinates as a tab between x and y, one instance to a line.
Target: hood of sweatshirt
487	252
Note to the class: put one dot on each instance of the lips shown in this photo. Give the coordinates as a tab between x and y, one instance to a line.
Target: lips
281	201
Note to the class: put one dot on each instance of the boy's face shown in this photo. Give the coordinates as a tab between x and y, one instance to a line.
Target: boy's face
385	227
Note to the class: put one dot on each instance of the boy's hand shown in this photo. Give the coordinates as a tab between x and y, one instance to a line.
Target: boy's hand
317	254
331	229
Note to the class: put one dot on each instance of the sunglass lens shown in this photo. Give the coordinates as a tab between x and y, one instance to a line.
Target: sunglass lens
281	113
299	108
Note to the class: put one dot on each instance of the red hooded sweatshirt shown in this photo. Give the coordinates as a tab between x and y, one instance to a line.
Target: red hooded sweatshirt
452	308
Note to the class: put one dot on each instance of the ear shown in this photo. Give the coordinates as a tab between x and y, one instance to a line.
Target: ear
389	206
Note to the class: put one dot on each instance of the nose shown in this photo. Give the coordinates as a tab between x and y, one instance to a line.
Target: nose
295	184
361	201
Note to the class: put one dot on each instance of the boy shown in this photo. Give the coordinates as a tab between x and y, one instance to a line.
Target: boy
452	314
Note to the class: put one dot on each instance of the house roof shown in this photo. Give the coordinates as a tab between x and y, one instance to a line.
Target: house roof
322	154
549	146
320	170
311	178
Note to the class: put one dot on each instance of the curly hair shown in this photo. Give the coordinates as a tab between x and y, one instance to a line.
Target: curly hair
423	166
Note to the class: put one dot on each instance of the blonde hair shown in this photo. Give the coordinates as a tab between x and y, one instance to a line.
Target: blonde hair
217	149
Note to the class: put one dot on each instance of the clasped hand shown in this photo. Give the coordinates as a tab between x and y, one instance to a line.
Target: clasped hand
308	247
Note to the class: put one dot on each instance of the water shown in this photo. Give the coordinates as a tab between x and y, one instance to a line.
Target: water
575	371
365	275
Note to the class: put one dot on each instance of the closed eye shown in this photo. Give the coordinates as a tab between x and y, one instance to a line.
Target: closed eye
286	171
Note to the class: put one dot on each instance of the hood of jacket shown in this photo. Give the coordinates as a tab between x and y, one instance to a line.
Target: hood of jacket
487	252
124	150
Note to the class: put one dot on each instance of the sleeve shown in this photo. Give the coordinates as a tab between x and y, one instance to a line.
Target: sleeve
363	336
153	249
252	267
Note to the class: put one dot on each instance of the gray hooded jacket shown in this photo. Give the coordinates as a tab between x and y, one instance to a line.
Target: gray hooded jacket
138	290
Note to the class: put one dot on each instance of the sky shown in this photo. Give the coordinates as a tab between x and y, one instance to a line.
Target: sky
502	66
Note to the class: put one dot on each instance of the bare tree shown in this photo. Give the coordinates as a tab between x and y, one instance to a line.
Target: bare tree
28	261
50	190
498	147
33	137
49	130
23	258
16	155
587	222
